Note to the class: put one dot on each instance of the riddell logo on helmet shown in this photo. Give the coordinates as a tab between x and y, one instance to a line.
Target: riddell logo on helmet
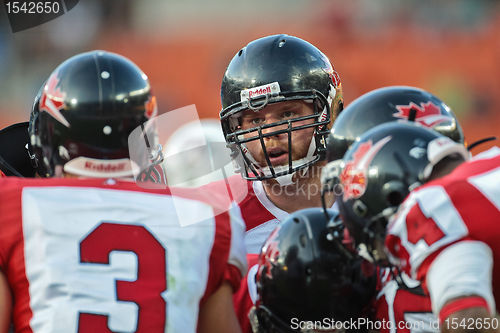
105	167
427	114
267	89
258	92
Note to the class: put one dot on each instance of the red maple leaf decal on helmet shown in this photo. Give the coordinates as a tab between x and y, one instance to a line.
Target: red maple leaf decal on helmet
354	174
427	114
151	108
270	253
52	99
332	73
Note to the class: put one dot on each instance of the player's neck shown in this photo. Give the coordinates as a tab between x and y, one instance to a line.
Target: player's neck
305	192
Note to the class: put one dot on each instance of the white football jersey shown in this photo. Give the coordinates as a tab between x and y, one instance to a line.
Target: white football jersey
103	256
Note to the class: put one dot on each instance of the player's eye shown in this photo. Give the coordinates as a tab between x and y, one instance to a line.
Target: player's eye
256	121
288	114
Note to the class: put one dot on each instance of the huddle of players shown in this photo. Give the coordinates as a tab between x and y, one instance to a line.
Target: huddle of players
390	160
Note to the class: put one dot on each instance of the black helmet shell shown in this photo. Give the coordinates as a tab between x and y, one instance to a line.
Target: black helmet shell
87	108
394	103
303	273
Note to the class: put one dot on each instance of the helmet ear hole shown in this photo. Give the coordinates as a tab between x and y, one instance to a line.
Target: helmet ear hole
394	192
303	240
360	208
394	198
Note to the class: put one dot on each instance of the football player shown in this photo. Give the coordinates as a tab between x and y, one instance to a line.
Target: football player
392	103
308	281
444	233
87	249
402	304
280	95
400	300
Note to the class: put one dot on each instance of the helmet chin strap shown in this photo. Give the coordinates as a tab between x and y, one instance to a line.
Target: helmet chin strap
286	180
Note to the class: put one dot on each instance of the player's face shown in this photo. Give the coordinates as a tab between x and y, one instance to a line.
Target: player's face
277	145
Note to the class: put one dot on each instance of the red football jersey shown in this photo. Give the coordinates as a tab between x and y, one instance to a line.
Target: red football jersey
464	205
260	214
246	295
96	255
404	309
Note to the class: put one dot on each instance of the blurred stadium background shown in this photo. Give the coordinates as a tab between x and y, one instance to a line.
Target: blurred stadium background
449	47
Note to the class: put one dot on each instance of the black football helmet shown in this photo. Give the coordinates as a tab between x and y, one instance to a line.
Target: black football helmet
306	272
395	103
380	170
14	159
82	117
274	69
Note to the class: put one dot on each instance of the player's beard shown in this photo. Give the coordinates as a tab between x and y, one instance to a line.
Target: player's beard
298	151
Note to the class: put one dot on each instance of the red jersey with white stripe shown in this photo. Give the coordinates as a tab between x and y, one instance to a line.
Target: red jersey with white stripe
246	295
261	216
464	205
95	255
407	309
